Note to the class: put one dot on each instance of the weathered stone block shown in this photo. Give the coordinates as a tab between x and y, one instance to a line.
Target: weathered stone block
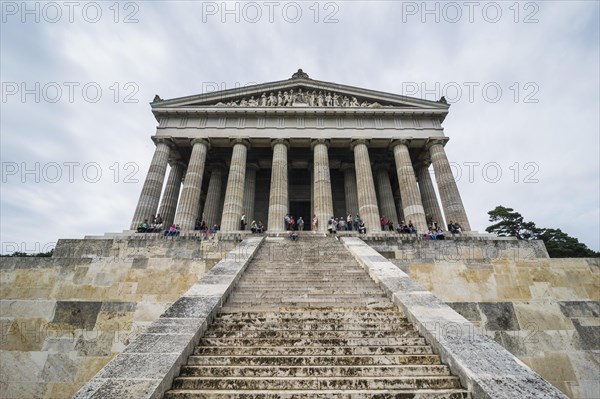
469	310
81	314
95	343
580	308
589	334
499	316
59	367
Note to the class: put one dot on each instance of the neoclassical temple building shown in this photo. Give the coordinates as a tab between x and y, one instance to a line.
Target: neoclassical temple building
301	147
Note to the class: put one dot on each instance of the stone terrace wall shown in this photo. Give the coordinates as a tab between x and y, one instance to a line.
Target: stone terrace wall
63	318
544	311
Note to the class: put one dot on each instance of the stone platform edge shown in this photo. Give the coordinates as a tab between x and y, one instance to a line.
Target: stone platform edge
148	365
484	367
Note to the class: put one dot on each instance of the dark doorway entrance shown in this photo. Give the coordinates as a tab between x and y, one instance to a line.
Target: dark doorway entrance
301	208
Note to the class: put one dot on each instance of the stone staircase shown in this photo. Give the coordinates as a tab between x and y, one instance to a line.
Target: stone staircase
306	321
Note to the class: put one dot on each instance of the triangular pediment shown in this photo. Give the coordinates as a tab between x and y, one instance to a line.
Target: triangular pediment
299	92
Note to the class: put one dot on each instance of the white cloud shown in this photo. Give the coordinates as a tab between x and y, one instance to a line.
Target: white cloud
172	52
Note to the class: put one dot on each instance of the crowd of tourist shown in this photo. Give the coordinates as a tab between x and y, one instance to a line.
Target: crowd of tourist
348	223
257	227
155	227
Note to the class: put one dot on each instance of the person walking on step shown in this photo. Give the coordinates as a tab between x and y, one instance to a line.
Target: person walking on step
243	222
300	223
356	222
315	224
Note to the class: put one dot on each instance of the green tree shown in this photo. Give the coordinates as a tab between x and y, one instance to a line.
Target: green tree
509	223
560	245
27	255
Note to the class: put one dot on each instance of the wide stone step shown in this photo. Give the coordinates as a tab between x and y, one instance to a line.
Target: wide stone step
309	322
315	278
265	298
300	286
320	283
356	300
311	351
363	360
309	326
247	288
284	290
237	309
319	394
311	342
295	291
315	371
333	299
311	334
389	312
266	305
429	382
298	268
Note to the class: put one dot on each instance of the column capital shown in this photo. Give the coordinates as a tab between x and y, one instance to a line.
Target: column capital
436	140
381	166
398	141
174	157
314	142
356	142
206	142
168	140
252	166
241	140
346	166
285	142
174	162
217	165
423	163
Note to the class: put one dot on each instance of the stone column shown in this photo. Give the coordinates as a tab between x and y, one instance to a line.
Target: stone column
398	202
201	206
386	196
213	196
428	196
278	195
350	193
411	198
451	201
150	195
168	205
322	183
189	203
365	187
312	192
234	194
250	192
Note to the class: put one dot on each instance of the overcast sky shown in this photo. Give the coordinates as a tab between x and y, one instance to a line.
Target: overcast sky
77	77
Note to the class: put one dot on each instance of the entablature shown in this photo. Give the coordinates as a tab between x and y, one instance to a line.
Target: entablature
417	120
220	139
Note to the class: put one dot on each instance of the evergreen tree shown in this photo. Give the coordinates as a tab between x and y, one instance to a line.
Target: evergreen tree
509	223
561	245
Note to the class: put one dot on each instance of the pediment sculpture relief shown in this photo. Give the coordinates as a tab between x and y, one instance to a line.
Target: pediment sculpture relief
301	98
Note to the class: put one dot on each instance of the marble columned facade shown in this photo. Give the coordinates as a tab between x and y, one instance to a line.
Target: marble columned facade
301	147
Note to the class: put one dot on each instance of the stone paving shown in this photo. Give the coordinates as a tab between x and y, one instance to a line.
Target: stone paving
306	321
